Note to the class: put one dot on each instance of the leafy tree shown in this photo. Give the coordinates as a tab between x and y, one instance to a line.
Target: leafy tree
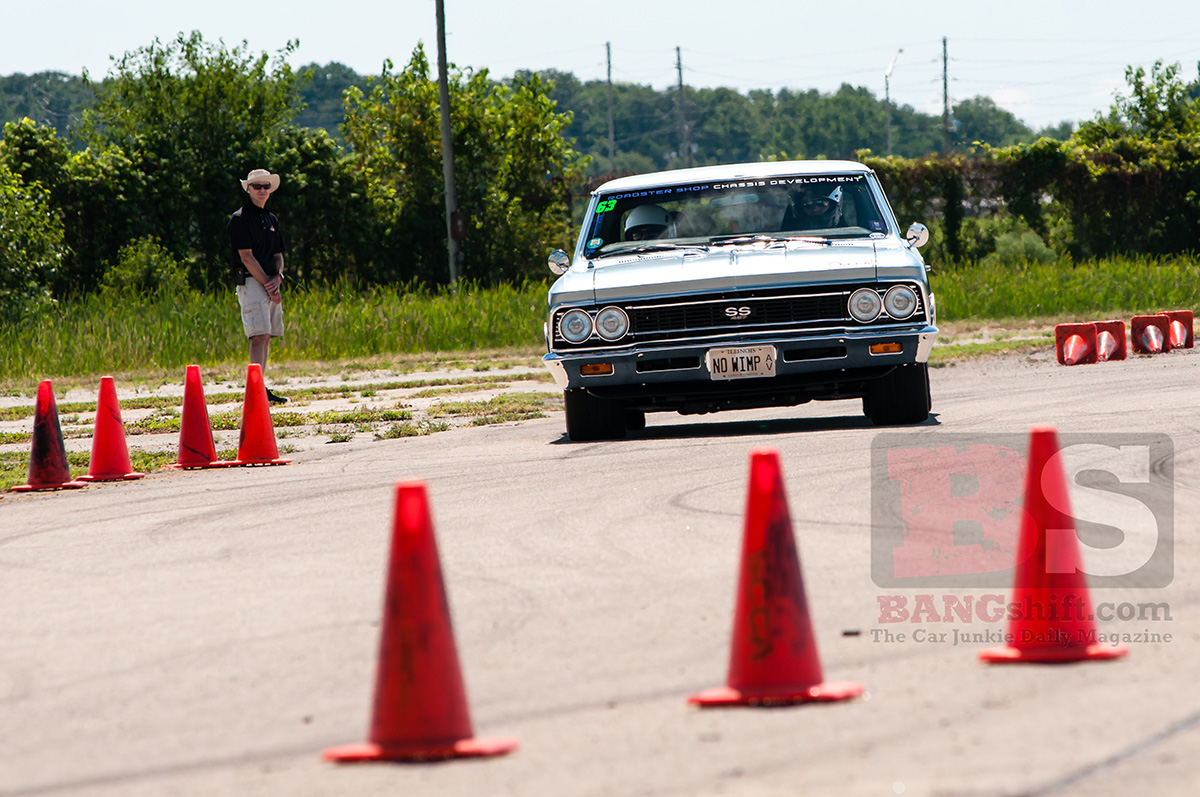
93	192
732	126
1159	106
322	91
31	247
326	206
980	120
53	99
195	116
1059	132
513	171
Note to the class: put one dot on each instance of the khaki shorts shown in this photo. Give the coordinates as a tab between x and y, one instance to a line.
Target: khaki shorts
260	315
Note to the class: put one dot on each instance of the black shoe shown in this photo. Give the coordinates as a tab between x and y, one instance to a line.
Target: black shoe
275	399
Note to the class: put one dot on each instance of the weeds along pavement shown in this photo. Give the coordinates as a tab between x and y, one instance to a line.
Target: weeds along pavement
321	410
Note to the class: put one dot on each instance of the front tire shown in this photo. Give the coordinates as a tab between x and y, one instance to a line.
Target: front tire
901	397
590	418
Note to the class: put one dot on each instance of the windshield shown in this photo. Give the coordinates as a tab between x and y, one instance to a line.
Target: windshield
716	214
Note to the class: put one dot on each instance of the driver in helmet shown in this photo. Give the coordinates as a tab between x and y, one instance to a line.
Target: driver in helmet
646	222
817	207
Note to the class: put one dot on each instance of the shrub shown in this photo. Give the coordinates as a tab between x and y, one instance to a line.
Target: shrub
1014	248
145	267
31	248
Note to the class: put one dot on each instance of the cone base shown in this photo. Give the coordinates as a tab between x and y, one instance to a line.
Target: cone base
29	488
216	463
463	748
827	692
112	477
1052	655
240	463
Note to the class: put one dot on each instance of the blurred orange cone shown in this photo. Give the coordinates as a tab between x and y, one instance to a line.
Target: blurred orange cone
1110	341
1051	618
110	453
773	656
48	469
1180	329
1150	334
420	709
196	447
256	445
1075	344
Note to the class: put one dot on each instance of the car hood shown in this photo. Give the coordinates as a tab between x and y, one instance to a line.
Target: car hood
731	268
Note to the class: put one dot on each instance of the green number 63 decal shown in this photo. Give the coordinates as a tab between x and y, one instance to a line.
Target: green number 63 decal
606	206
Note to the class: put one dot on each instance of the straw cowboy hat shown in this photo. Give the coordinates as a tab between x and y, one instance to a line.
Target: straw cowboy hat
261	176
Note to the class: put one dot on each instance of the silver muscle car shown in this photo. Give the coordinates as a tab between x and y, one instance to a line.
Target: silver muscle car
740	286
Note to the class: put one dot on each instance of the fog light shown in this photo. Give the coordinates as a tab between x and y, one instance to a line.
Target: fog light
887	348
596	369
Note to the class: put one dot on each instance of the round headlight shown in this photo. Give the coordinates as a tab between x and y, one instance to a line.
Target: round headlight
612	323
900	301
864	305
575	326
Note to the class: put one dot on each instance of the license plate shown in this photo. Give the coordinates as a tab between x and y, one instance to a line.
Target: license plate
741	363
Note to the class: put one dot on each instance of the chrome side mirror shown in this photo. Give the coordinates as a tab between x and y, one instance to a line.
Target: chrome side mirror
559	262
917	235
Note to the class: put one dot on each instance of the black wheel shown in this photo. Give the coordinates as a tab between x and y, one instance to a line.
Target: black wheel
635	420
901	397
590	418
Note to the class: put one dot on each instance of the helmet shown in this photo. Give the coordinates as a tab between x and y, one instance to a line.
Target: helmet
645	222
819	206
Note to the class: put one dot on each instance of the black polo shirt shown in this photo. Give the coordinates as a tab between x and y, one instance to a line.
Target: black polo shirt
256	229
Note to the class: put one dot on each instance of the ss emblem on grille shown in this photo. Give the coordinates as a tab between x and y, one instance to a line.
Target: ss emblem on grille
737	313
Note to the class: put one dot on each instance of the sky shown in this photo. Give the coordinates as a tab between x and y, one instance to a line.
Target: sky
1046	61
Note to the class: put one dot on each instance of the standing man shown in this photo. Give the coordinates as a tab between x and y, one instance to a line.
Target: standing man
256	255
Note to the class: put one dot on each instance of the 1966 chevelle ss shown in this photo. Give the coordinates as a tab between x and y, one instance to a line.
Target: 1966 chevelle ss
740	286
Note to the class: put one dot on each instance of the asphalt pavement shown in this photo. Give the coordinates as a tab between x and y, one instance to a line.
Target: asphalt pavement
213	632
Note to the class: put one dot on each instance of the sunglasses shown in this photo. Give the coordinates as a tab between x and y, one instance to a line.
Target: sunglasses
261	186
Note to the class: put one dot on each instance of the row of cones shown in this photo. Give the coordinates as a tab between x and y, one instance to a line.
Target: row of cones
420	709
1101	341
109	461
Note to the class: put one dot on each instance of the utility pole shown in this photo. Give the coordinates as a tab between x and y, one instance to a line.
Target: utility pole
945	98
452	218
683	128
612	140
887	98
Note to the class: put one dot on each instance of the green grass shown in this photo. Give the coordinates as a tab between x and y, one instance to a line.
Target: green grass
334	329
162	334
14	467
501	409
1113	287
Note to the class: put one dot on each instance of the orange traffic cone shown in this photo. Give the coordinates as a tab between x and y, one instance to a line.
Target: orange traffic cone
1051	614
48	468
773	656
1150	334
1110	341
1075	344
256	445
196	447
110	455
420	704
1180	329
